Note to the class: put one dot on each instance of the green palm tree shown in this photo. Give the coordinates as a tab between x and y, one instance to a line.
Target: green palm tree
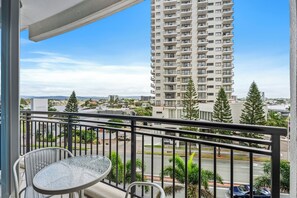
265	179
118	167
193	180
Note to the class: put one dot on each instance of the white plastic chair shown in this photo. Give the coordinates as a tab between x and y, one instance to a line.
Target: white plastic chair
34	161
162	195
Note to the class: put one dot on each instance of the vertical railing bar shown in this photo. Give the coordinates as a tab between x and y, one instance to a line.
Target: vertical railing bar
103	137
186	169
69	130
56	134
86	143
173	178
125	139
91	130
28	134
60	132
51	134
109	147
31	136
215	171
97	141
275	169
43	134
75	141
231	173
251	175
35	139
45	126
152	165
162	164
117	158
39	135
199	173
133	155
80	137
23	136
142	168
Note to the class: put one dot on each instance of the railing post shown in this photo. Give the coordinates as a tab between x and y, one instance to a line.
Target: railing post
28	134
275	170
69	133
133	155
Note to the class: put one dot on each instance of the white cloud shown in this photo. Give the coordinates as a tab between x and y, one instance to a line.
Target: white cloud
53	74
270	73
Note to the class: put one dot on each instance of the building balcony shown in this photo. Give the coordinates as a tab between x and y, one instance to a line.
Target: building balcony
186	27
202	49
186	35
227	43
170	26
185	11
170	33
186	51
227	35
202	2
170	58
170	49
202	10
170	10
228	12
227	5
202	42
169	2
227	27
186	43
169	42
202	35
202	19
227	20
202	58
185	19
202	26
170	17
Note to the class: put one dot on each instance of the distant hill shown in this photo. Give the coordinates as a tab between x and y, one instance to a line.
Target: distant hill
78	97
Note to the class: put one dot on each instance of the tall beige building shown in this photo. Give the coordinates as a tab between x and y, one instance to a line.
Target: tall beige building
190	39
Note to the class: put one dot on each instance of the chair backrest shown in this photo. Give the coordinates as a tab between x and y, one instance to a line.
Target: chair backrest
36	160
162	193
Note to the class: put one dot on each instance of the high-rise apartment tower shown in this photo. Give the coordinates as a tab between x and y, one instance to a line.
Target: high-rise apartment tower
190	39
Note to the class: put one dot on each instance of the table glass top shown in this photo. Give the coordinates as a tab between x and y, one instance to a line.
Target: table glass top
72	173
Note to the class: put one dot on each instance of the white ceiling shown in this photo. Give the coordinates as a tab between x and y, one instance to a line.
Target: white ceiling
33	11
48	18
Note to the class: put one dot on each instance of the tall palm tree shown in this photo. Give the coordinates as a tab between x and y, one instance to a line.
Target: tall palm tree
193	180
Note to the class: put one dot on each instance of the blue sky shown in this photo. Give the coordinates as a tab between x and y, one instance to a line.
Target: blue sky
112	56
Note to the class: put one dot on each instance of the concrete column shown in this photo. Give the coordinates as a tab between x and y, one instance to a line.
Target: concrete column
293	85
9	92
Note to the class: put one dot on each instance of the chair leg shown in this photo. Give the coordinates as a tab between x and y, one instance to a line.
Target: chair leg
81	194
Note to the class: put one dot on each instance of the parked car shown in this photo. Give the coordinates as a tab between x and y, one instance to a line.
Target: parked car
243	191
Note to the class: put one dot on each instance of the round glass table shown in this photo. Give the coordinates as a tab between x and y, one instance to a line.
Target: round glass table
71	175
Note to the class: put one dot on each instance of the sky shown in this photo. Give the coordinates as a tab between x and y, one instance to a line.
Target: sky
112	56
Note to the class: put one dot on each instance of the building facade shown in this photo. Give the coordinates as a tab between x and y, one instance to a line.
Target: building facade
190	40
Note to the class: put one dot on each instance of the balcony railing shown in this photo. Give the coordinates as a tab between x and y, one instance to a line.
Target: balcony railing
141	148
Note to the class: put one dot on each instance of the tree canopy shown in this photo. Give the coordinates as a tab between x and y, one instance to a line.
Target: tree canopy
190	103
222	110
253	112
72	104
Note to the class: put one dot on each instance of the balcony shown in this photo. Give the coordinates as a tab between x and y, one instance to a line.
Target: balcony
185	11
227	4
202	2
85	134
169	2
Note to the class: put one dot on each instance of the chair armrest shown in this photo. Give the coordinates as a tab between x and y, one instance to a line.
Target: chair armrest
145	184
